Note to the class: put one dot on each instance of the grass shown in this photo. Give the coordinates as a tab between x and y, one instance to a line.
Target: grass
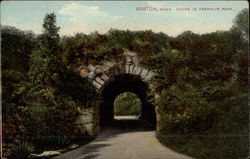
227	146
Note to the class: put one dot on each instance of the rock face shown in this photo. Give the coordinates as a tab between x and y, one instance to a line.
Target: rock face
46	154
101	75
87	123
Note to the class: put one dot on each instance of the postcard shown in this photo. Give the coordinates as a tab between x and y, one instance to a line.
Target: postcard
124	79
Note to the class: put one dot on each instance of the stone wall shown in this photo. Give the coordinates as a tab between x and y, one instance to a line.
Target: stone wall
87	123
100	75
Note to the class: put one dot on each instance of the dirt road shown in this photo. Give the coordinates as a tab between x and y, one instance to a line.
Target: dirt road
120	143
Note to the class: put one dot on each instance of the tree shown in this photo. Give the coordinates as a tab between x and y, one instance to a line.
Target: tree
240	23
241	31
45	61
52	111
44	76
16	47
50	32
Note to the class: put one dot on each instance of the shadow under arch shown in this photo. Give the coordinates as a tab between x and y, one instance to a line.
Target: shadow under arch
126	83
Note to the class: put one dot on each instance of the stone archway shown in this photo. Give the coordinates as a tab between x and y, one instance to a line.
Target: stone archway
111	78
126	83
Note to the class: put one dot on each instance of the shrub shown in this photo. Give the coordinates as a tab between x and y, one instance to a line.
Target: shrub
22	151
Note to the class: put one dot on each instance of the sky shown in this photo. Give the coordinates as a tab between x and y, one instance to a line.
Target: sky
90	16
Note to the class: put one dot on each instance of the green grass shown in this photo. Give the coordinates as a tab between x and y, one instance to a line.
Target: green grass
217	146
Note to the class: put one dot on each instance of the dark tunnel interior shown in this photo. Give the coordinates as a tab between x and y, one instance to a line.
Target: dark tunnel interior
121	84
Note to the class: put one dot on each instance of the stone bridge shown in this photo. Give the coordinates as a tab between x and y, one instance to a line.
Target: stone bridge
111	78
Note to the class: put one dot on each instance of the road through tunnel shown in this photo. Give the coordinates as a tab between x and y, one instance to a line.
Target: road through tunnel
126	83
110	78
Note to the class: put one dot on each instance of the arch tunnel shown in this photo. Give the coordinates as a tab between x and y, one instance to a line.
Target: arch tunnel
126	83
110	79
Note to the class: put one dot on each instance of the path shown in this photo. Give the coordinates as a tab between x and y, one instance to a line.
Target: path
120	143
